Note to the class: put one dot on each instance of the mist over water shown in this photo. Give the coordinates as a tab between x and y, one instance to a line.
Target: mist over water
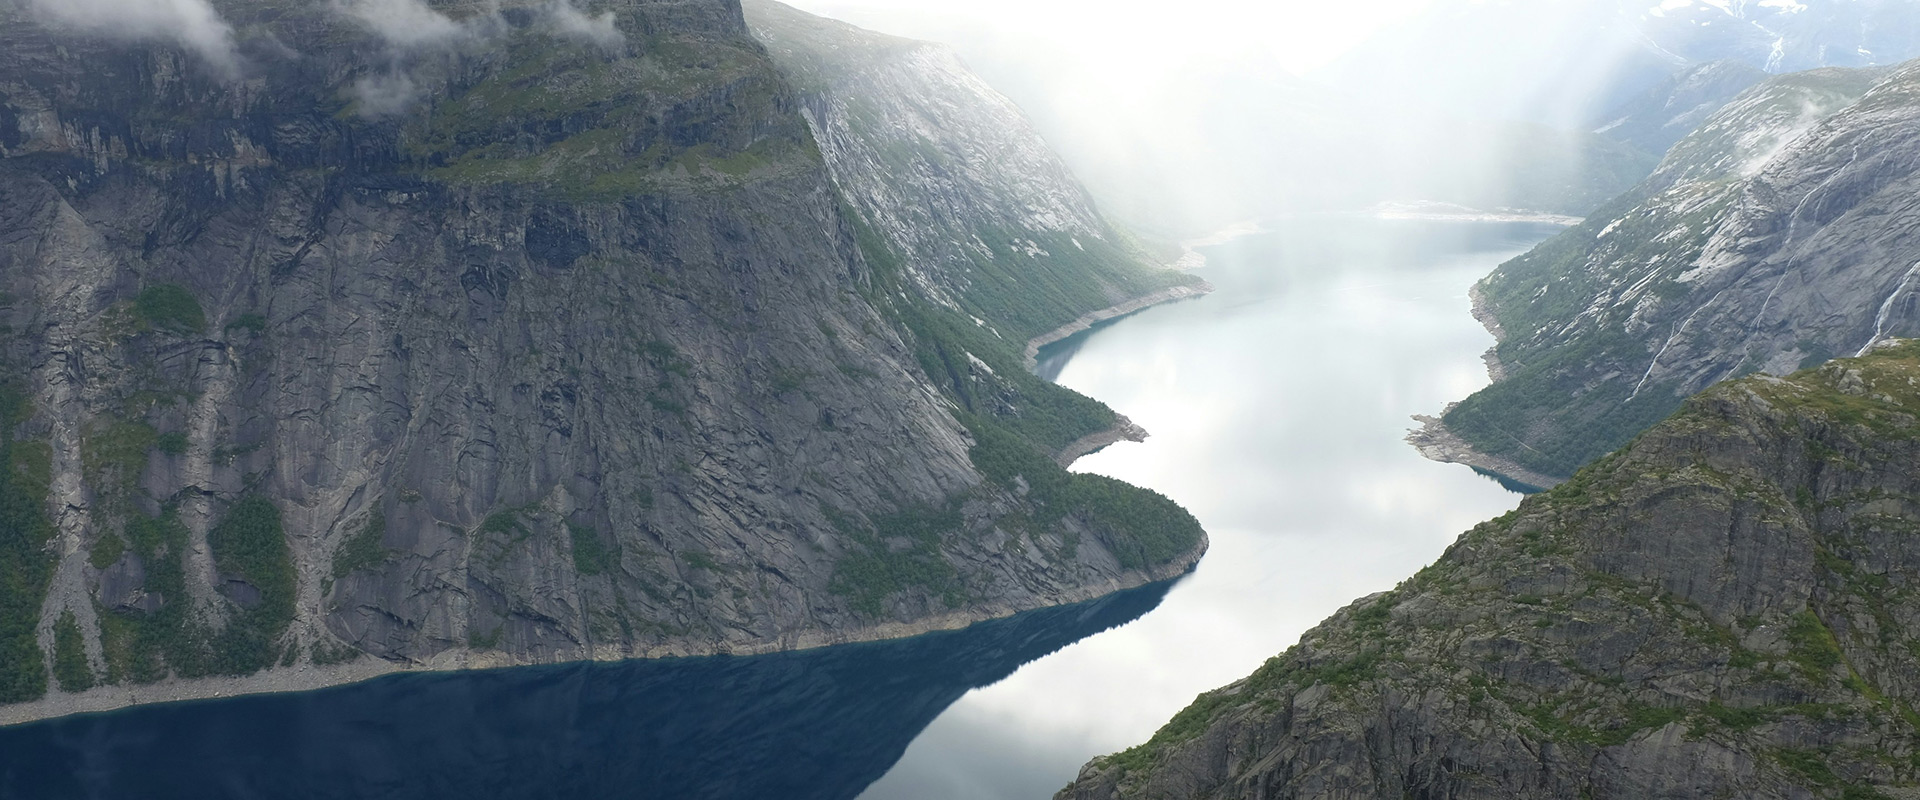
1188	118
1277	407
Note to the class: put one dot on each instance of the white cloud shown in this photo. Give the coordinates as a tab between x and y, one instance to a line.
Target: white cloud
573	23
404	23
383	95
190	23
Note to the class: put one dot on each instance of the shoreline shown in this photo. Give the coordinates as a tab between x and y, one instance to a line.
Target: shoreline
1443	212
1190	258
312	677
1495	370
1437	443
308	678
1092	318
1123	430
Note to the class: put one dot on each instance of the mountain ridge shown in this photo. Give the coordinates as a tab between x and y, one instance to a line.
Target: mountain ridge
1606	313
1725	607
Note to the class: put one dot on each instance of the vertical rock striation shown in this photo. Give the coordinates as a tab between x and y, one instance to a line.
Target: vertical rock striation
506	346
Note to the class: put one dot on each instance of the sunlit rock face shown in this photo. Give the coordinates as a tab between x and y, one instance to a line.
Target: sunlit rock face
1725	608
1775	237
514	333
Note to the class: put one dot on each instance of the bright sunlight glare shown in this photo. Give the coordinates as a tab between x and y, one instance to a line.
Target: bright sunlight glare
1299	35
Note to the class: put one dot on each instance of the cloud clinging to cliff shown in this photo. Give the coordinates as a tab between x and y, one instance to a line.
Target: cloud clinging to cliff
571	22
193	24
404	23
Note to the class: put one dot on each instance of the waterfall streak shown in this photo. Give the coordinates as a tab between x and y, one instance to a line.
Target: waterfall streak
1886	308
1680	329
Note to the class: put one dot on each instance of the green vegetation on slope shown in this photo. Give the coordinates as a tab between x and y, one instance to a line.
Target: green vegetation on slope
1551	413
591	127
363	549
1018	421
1028	295
170	307
250	545
591	555
1047	415
26	562
1142	527
1582	622
1566	307
70	657
140	646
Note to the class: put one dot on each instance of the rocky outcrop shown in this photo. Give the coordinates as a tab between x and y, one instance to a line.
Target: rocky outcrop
1435	442
1760	244
1729	607
516	345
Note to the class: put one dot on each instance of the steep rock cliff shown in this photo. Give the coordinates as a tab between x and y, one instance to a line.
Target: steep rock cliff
1774	237
1729	607
986	218
512	338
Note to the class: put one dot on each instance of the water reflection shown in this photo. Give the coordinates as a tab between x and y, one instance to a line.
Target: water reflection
1277	406
816	724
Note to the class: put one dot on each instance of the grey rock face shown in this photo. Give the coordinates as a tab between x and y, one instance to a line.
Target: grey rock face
988	220
1762	243
570	355
1726	608
1665	114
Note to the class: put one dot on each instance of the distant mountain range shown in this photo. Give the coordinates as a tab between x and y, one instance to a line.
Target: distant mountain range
1574	62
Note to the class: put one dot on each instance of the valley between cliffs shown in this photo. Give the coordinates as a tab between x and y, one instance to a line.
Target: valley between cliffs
523	343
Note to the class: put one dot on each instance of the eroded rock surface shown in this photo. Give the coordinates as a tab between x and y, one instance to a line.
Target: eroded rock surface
1729	607
508	346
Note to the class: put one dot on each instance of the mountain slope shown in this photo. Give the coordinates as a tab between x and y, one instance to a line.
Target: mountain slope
522	342
1569	63
1728	607
1665	114
1759	244
987	219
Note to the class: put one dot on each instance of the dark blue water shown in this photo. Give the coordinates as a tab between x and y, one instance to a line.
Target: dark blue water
1277	406
815	724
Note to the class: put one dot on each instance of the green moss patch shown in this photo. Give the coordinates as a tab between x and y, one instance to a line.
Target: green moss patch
26	562
170	307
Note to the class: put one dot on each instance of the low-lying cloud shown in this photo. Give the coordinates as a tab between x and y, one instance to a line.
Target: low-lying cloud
410	24
193	24
571	22
411	28
384	94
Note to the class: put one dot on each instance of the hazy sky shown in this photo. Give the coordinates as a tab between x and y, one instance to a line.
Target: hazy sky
1300	34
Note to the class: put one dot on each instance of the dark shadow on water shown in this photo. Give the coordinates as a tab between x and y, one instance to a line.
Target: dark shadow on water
1507	483
816	724
1053	358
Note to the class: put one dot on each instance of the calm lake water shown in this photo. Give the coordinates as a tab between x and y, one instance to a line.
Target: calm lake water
1277	406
